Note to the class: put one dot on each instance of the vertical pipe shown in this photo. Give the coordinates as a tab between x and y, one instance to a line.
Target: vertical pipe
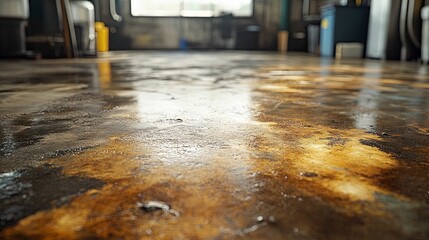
305	9
410	23
403	30
284	16
113	12
212	29
97	7
181	27
283	34
68	28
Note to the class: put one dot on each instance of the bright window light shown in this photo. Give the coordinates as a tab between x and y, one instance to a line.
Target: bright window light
191	8
154	8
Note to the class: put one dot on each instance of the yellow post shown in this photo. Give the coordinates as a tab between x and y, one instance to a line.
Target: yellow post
282	39
102	37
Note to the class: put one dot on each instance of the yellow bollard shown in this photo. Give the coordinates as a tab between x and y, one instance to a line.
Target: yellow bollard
102	37
282	38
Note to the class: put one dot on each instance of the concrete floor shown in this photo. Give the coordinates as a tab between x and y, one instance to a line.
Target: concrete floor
221	145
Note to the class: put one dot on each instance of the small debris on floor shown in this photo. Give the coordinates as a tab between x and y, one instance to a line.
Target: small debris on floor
261	222
174	120
252	228
151	206
308	174
272	219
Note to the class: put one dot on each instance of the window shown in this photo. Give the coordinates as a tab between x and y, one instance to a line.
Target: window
191	8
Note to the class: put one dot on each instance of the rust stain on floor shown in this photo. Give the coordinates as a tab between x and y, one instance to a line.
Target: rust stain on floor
252	146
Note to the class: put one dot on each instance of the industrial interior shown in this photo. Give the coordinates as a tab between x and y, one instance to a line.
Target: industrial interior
214	119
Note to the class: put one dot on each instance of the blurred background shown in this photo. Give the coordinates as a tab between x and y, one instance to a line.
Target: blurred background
380	29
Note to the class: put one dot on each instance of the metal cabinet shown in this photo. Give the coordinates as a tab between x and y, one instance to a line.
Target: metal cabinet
342	24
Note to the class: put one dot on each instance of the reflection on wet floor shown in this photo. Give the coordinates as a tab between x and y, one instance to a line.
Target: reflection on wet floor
219	145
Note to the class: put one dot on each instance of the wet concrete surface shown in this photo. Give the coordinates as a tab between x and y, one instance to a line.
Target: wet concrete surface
25	192
220	145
